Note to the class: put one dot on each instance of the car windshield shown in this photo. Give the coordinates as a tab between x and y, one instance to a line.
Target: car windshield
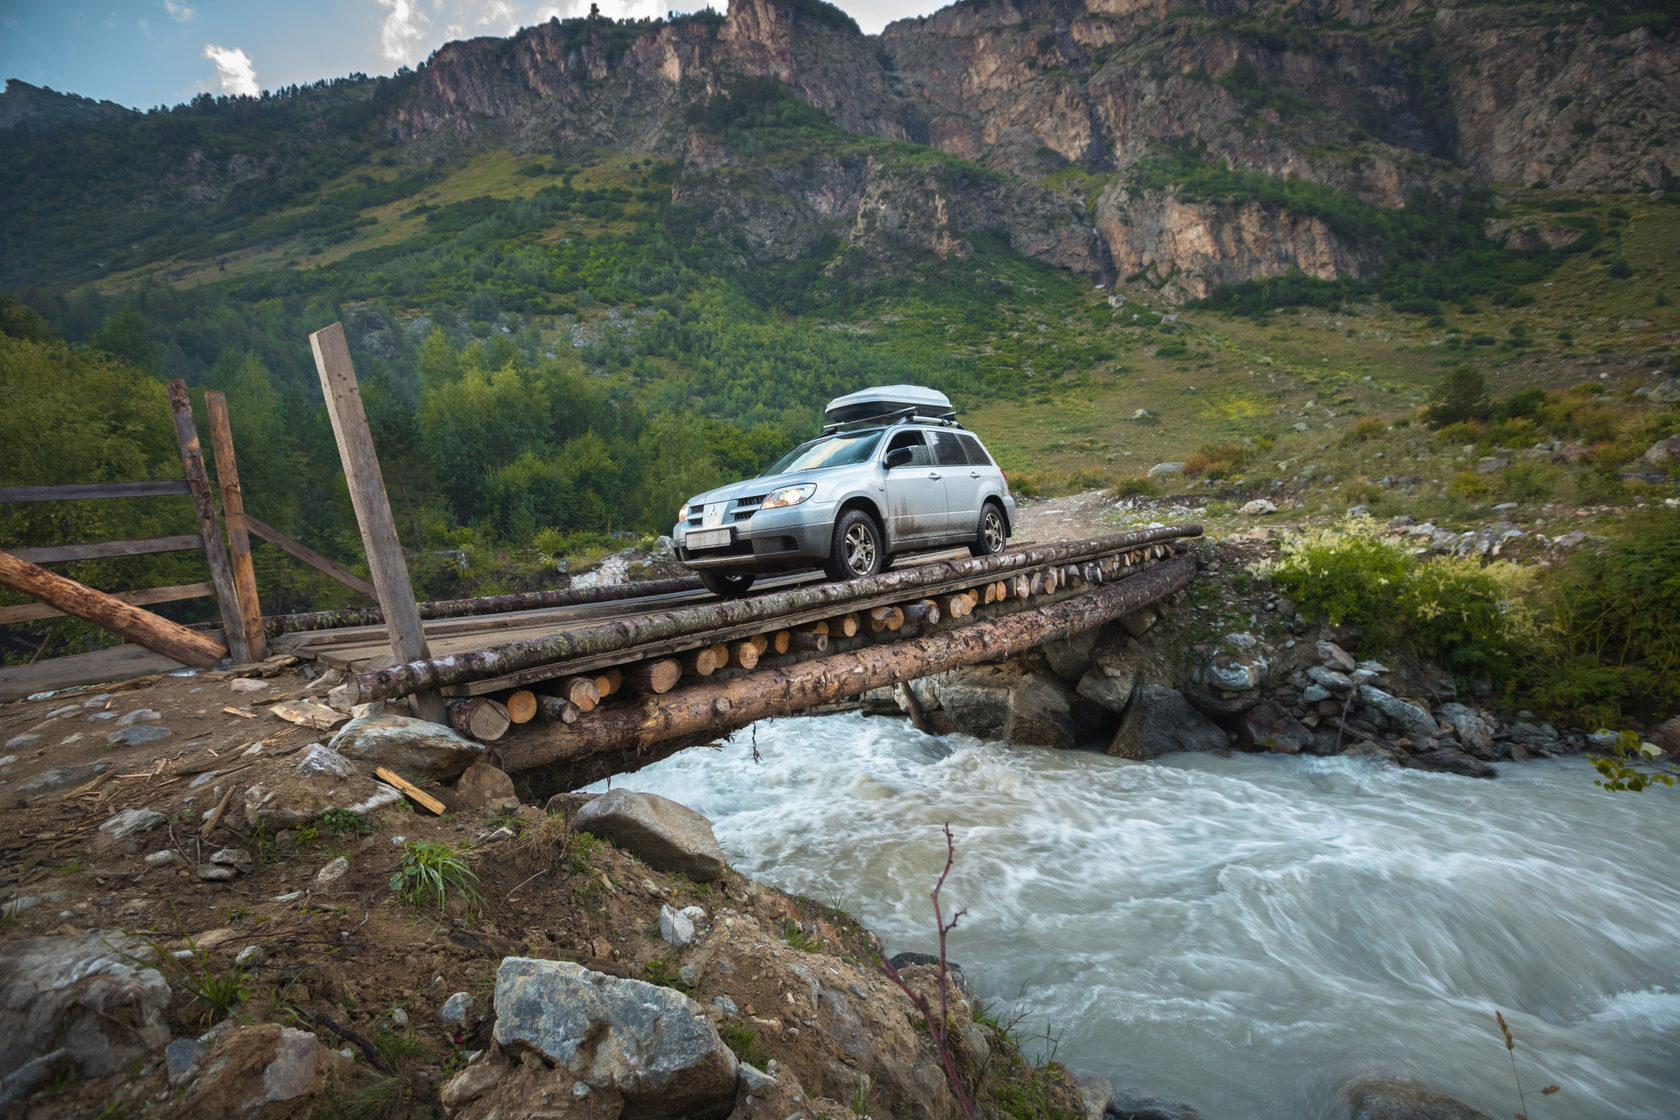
839	450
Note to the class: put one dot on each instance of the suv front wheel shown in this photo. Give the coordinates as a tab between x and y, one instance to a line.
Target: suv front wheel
992	534
730	586
856	550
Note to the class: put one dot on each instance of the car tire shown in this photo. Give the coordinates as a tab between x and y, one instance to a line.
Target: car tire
992	534
728	585
857	549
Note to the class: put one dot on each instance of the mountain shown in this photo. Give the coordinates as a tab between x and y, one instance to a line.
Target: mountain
1087	132
41	109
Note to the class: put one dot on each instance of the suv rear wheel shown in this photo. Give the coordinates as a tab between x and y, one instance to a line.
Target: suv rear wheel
727	585
992	534
856	551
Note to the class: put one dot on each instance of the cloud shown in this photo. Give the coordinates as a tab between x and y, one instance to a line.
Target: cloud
236	70
402	36
180	12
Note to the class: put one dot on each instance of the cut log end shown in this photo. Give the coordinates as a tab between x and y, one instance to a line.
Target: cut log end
521	705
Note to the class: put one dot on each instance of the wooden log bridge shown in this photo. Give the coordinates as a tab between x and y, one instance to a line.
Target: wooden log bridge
553	756
671	633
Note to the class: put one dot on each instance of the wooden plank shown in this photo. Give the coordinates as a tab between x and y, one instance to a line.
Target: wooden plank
31	612
415	794
300	551
239	542
83	491
104	550
142	627
373	509
215	553
113	663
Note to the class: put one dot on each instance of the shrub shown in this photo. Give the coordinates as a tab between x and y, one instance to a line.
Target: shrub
1461	396
431	872
1366	428
1614	624
1469	485
1216	460
1135	486
1469	617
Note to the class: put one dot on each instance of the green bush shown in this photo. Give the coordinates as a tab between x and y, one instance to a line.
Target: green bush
1614	627
1468	617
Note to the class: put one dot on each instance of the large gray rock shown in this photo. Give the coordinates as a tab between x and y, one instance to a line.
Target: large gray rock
253	1066
1377	1098
1159	721
664	834
1471	729
1108	686
1449	761
1069	657
299	788
83	993
1268	727
414	748
1025	708
1124	1106
654	1045
1333	656
1414	721
1235	672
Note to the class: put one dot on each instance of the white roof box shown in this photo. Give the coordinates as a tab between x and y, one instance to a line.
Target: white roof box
884	399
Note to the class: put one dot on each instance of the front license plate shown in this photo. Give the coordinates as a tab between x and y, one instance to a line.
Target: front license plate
708	538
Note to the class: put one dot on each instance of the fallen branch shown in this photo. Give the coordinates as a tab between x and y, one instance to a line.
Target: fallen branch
374	1057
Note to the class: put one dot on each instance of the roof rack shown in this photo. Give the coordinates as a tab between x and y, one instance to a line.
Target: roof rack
895	416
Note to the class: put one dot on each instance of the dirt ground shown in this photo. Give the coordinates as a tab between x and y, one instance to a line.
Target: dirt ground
349	960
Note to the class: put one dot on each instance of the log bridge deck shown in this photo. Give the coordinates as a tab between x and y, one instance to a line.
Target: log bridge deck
567	697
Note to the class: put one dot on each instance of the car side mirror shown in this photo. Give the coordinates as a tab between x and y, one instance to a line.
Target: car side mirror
900	457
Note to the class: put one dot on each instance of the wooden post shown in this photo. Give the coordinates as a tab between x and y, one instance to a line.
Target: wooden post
215	554
138	626
233	508
373	508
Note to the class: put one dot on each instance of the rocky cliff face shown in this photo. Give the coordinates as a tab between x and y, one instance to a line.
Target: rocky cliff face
1378	100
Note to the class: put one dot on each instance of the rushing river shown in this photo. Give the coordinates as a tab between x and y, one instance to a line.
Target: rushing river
1247	934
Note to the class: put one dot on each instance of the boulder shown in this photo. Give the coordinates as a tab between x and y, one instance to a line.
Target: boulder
130	822
1268	727
1412	720
1069	657
1160	720
1137	623
1160	470
1098	1094
676	927
265	1071
664	834
299	788
1219	703
1470	728
137	734
1034	710
1333	656
1239	672
414	748
652	1045
81	992
1378	1098
1124	1106
1449	761
1258	508
481	786
1109	687
1339	683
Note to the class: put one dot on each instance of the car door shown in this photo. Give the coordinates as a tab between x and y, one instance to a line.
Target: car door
915	491
962	485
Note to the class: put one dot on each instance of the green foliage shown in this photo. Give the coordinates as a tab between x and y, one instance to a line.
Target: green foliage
1461	396
1632	766
1470	618
219	989
796	937
1614	623
662	973
431	872
742	1040
342	822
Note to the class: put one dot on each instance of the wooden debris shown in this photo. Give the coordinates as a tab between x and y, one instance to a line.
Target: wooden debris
240	712
413	792
582	691
521	705
480	718
559	709
317	717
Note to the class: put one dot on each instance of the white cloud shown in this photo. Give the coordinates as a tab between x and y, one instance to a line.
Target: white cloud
236	70
402	37
180	12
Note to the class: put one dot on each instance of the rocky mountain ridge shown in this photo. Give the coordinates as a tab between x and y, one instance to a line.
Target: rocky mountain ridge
1372	100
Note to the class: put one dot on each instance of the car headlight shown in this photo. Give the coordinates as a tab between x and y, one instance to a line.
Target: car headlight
682	512
788	496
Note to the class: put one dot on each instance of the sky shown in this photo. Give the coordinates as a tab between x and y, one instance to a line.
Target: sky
144	53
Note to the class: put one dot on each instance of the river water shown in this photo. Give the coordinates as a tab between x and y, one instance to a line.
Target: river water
1247	934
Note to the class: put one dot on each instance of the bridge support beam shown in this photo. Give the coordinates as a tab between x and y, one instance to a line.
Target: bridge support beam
565	756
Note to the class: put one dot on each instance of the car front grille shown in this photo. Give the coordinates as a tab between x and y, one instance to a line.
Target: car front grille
746	507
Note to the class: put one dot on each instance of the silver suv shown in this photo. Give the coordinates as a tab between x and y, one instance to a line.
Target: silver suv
850	501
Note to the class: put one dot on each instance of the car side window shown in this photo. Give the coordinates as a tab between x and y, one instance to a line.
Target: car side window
948	450
917	445
977	456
